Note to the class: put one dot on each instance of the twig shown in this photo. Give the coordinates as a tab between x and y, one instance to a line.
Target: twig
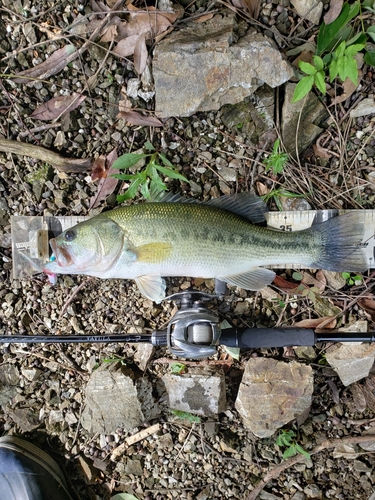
59	162
73	294
329	443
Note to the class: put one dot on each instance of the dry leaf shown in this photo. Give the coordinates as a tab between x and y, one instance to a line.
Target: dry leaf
204	18
140	54
55	63
345	451
262	189
320	151
125	105
349	88
369	307
98	169
110	33
283	284
126	46
334	11
135	118
325	322
107	184
58	106
144	22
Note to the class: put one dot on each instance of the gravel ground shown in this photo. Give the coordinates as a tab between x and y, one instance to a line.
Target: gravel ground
212	459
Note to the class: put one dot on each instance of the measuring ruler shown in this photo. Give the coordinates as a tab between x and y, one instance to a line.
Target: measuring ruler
31	234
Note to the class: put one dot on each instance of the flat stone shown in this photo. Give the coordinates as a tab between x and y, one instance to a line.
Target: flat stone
201	67
9	378
117	396
273	393
365	107
352	361
25	418
200	391
305	124
310	9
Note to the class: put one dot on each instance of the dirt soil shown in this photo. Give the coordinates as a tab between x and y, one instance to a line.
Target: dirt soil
216	458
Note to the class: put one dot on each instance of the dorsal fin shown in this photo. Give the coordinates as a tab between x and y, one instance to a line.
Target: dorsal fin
247	205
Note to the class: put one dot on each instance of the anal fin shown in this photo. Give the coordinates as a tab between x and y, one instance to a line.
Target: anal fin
255	279
152	287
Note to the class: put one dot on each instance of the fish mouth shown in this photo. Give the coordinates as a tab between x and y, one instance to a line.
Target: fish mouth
63	257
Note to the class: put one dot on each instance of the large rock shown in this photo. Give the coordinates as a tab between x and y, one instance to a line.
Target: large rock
301	120
117	397
352	361
201	67
200	392
272	393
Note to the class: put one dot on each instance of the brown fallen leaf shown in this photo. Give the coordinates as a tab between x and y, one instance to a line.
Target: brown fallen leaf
110	33
324	322
54	64
140	54
284	284
349	88
107	184
368	305
253	7
126	46
151	22
204	18
135	118
320	151
58	106
334	11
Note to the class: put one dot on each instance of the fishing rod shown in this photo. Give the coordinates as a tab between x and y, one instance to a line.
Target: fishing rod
195	332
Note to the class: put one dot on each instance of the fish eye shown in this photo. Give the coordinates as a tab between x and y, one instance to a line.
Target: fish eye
70	235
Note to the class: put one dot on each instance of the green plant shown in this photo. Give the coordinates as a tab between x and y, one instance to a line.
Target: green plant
352	279
276	160
340	46
178	368
287	439
184	415
147	180
276	194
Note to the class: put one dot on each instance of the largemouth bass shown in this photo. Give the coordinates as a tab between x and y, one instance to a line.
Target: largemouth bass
219	239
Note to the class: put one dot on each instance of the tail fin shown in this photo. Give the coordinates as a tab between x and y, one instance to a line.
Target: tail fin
340	238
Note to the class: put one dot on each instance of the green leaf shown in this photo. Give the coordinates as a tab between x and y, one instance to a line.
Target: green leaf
123	496
187	416
165	160
318	63
370	57
351	70
320	83
359	38
170	173
276	146
371	32
297	276
333	70
145	192
307	68
354	49
233	351
128	160
303	87
341	66
178	368
299	449
290	452
131	192
339	52
329	33
149	146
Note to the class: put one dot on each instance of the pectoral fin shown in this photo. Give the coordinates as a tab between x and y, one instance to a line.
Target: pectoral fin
255	279
153	252
152	287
